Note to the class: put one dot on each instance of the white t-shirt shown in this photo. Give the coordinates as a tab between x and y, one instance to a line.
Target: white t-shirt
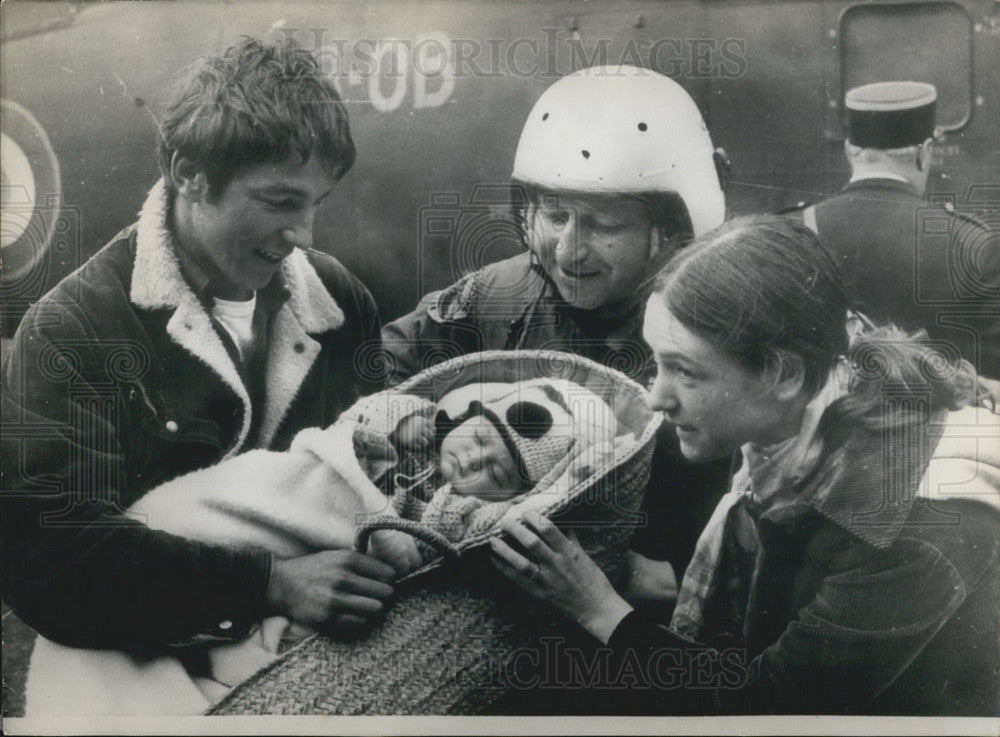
237	319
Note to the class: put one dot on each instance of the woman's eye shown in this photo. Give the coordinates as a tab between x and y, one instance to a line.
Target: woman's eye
676	368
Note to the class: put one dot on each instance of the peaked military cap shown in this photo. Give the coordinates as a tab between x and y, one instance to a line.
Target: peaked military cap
890	114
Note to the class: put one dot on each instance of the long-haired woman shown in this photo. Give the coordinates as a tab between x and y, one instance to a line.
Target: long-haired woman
854	566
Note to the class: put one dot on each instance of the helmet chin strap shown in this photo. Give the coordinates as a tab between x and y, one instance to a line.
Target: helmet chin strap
528	226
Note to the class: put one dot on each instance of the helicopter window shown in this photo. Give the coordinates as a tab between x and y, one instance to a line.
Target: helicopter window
923	42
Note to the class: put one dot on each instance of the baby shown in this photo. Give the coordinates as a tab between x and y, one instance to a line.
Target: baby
459	475
391	453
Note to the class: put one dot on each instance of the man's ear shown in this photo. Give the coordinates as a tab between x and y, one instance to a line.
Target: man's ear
850	154
655	246
924	154
787	373
723	167
188	179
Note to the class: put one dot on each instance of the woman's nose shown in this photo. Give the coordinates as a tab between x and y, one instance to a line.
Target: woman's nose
661	396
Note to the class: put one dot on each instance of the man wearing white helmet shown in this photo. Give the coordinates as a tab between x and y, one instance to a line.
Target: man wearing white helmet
618	171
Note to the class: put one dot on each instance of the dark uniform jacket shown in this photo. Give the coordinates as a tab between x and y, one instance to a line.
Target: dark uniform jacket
917	265
118	380
512	304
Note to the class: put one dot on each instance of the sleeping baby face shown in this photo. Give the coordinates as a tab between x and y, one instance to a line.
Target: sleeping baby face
474	459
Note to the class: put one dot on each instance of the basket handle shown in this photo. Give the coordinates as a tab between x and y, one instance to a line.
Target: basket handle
385	522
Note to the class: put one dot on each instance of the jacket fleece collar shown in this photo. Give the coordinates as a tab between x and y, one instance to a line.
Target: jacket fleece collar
157	283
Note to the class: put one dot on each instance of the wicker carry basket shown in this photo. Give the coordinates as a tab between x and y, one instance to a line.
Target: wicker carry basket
444	644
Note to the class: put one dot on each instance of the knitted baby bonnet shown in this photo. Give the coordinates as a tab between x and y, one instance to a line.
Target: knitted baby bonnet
543	420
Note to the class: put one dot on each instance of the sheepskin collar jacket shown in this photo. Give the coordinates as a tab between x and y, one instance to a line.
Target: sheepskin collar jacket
311	310
122	368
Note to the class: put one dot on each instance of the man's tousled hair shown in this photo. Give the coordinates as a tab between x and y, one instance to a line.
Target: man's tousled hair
256	102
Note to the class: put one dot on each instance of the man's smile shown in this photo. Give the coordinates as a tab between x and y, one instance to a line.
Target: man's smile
578	274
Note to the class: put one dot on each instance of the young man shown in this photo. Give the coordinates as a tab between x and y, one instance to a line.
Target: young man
207	328
619	172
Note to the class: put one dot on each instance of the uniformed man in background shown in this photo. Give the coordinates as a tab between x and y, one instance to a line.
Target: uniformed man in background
905	260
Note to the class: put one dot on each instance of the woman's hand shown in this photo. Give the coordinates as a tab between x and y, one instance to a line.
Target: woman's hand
557	570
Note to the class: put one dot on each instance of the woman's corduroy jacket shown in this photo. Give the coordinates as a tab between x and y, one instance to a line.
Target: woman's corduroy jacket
881	595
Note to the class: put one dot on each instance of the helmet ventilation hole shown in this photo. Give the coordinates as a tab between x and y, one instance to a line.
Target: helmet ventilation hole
642	127
586	154
545	116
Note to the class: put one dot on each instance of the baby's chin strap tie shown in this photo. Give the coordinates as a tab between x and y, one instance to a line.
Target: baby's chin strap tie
402	482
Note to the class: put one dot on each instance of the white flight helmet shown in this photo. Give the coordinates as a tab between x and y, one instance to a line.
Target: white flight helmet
622	129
